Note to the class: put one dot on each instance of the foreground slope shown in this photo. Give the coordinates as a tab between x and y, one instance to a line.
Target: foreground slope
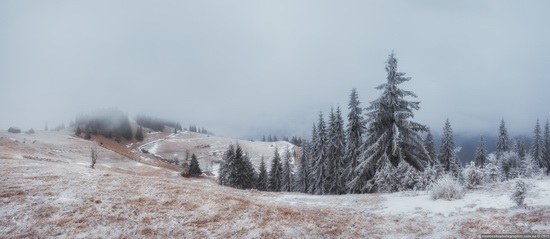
48	190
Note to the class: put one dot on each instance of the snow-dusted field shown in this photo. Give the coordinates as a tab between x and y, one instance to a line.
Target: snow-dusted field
48	190
210	149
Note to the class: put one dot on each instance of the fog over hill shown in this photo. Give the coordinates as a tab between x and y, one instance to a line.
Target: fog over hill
244	69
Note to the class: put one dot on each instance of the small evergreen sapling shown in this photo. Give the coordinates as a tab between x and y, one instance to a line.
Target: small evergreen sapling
473	175
194	169
492	171
520	191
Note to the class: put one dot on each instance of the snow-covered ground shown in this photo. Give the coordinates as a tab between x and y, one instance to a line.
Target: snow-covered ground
48	190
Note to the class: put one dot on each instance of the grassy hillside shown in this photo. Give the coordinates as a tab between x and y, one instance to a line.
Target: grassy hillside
47	189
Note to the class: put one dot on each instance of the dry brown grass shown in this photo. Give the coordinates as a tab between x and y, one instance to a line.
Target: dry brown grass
70	200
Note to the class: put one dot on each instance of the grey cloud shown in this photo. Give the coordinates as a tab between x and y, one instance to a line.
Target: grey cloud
243	68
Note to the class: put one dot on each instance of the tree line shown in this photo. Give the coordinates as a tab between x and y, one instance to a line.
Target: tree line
156	124
298	141
384	150
109	123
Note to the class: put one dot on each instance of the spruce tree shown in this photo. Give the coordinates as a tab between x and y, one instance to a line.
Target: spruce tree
447	152
520	190
481	154
503	143
429	144
78	131
336	180
262	177
126	128
250	176
390	132
354	133
519	148
275	173
139	134
302	176
546	144
318	184
330	161
194	168
223	173
287	178
240	175
537	149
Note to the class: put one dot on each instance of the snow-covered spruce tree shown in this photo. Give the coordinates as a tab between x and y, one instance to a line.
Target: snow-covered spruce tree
409	177
537	149
318	172
241	172
447	152
519	147
287	177
194	169
546	144
503	143
336	152
311	158
429	144
275	173
250	174
509	165
391	135
520	190
330	161
428	177
301	181
262	177
480	157
354	135
223	173
491	171
529	168
386	179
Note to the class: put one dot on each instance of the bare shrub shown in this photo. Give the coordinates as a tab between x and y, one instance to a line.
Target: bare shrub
447	188
94	154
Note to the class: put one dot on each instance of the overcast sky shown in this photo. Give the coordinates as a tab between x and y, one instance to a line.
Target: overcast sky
245	68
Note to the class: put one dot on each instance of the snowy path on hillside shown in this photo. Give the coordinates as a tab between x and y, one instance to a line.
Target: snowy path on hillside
153	149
